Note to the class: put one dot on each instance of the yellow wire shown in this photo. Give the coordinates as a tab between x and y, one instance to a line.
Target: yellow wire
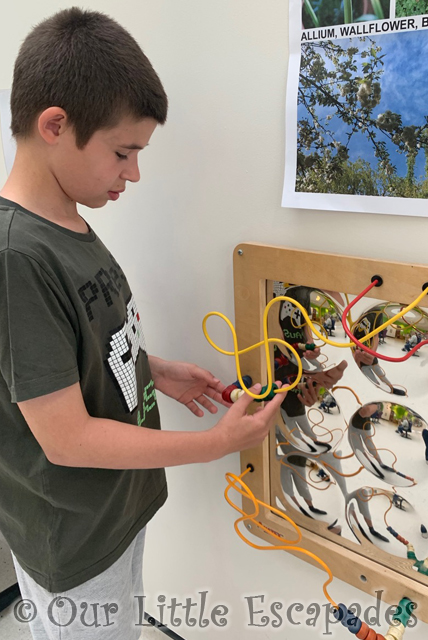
238	352
349	314
266	341
396	317
289	545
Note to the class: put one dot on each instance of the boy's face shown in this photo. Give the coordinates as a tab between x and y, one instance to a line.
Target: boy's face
99	172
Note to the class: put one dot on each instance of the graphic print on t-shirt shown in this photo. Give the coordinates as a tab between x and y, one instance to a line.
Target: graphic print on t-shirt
363	327
372	319
288	310
123	350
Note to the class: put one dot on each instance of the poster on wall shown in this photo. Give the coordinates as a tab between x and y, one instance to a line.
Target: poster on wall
357	106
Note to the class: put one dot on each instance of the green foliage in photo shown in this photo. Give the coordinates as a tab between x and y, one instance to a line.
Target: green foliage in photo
326	13
410	8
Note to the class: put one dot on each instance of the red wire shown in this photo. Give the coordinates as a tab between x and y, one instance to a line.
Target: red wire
365	347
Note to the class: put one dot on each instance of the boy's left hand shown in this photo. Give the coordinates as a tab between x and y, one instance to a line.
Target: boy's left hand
187	383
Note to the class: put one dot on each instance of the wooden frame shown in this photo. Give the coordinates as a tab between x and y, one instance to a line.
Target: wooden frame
254	265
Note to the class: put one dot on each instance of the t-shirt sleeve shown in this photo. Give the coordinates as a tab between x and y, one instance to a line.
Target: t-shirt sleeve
38	346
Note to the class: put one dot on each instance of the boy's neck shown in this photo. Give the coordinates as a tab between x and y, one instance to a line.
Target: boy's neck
33	186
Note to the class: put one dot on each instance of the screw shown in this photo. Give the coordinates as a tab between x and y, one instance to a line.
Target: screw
248	526
240	252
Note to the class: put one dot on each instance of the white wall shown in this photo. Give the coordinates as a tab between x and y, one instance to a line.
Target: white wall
211	178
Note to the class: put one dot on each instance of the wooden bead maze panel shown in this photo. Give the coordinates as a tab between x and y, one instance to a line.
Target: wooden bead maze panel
348	464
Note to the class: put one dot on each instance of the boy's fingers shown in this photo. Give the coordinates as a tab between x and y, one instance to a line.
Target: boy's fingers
342	366
272	407
245	400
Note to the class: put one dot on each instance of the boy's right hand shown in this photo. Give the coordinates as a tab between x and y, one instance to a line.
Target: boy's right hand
238	431
363	358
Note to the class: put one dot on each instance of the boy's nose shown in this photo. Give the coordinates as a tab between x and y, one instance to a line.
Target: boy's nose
131	173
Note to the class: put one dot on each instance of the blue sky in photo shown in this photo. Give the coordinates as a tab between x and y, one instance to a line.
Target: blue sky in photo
404	90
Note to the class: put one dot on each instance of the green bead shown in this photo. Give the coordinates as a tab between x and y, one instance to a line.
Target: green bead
421	567
404	611
270	396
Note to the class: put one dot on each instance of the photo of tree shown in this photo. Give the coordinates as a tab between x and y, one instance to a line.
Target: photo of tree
363	116
326	13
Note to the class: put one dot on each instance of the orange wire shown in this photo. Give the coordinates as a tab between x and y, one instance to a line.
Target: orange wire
289	545
349	389
344	475
331	482
294	470
319	424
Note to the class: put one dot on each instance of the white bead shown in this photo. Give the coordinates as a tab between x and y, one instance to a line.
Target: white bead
235	394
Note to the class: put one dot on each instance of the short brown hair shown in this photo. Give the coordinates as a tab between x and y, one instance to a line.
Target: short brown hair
90	66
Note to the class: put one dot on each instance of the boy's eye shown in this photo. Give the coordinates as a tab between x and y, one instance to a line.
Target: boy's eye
121	156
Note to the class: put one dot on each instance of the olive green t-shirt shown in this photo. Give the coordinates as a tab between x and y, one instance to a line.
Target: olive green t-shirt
67	315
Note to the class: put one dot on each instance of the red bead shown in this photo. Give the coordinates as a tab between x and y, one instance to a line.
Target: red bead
363	632
281	360
226	393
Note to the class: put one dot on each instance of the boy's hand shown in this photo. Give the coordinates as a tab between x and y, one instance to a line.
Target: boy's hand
362	357
308	393
238	431
312	355
187	383
329	377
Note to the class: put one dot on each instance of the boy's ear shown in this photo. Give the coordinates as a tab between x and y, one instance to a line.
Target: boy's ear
51	123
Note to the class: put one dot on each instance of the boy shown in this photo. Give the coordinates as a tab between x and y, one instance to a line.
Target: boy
82	454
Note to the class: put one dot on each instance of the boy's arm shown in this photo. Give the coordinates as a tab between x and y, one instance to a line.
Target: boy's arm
69	436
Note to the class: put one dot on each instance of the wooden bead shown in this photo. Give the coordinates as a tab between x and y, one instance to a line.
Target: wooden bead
271	394
371	634
363	632
247	380
395	632
235	394
226	393
281	361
